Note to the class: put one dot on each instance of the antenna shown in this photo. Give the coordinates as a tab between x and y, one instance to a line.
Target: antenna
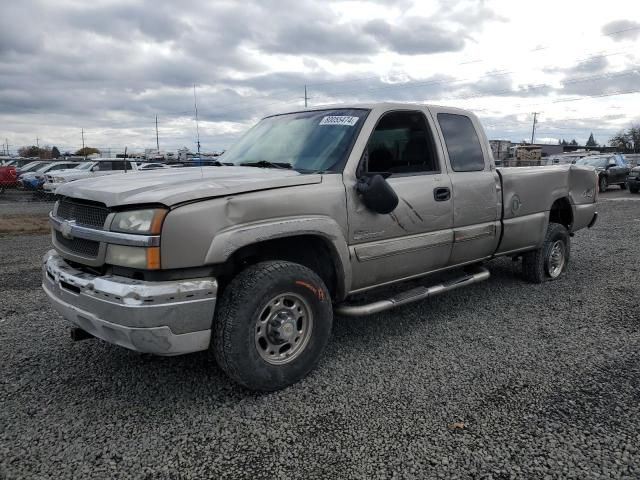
195	105
306	97
83	150
157	141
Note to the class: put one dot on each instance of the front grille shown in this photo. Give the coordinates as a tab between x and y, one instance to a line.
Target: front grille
89	214
80	246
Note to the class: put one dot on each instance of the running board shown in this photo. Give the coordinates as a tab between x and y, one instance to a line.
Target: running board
413	295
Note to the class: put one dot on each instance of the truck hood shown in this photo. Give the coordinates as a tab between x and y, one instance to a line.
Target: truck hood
174	186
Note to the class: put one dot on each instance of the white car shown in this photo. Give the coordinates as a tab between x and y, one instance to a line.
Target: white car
94	168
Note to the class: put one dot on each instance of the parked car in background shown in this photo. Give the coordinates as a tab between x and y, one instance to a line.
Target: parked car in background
34	180
633	180
95	168
8	178
30	167
611	169
17	162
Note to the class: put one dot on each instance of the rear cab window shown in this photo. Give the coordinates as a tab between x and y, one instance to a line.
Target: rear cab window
463	144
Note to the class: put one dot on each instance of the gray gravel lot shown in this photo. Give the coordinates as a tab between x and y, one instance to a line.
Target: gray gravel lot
501	380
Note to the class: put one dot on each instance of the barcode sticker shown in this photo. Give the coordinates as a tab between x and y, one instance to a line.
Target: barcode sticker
339	120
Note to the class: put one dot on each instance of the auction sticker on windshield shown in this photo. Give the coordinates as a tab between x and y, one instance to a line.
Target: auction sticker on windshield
339	120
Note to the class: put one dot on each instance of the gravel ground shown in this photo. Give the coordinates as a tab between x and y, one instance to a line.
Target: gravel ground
500	380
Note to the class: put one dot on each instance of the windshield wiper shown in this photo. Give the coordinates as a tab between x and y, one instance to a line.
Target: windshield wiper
266	164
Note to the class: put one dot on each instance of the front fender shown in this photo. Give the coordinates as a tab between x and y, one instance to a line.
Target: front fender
228	241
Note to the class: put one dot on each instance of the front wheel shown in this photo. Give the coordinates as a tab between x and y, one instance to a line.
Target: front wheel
633	189
272	324
604	183
551	260
623	186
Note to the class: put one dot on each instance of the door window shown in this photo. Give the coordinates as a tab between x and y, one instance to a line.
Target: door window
401	144
463	145
104	166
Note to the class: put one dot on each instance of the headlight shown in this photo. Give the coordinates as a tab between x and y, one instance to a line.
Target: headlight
139	221
58	179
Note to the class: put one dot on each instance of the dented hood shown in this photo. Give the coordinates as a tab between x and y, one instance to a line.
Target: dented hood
178	185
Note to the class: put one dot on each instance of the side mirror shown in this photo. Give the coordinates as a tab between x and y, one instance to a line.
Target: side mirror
377	194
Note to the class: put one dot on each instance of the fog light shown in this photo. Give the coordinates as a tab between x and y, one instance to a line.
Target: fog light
134	257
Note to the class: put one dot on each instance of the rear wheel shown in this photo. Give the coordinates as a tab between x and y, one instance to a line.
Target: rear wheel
604	184
551	260
633	189
272	324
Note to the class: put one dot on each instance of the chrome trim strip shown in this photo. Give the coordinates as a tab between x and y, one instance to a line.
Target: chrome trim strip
397	246
115	238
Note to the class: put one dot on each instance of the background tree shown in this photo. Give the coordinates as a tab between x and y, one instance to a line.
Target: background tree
34	151
627	141
55	153
87	151
592	141
573	142
564	143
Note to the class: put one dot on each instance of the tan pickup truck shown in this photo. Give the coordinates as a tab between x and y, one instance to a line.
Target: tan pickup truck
251	258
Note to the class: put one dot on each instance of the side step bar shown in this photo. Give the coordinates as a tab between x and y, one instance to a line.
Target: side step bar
413	295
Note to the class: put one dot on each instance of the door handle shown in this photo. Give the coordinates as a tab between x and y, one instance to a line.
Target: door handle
441	194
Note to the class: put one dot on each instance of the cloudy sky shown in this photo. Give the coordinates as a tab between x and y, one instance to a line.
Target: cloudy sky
111	66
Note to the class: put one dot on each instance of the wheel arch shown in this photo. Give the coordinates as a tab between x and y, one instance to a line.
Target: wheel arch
317	243
561	212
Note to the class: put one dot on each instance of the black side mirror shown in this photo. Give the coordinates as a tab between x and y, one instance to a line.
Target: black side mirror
377	194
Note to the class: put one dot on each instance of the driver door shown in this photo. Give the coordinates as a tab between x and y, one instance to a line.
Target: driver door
417	236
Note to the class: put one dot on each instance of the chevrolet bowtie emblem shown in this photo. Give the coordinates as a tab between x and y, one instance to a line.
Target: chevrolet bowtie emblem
66	229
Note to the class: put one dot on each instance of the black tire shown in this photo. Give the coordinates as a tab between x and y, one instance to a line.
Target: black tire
235	343
603	183
535	264
623	186
633	189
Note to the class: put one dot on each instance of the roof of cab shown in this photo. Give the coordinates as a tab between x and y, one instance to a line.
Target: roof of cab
377	106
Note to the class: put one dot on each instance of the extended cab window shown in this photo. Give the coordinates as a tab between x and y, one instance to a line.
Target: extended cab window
401	143
463	145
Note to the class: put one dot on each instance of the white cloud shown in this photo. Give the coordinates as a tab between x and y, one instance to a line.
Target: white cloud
109	67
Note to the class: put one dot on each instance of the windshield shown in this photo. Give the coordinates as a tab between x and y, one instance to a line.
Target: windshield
30	166
44	168
593	161
83	166
305	141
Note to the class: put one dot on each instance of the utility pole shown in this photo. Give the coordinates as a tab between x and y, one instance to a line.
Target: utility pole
195	105
38	147
83	150
157	141
533	129
305	97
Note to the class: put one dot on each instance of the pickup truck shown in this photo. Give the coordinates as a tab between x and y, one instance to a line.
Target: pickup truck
251	258
94	168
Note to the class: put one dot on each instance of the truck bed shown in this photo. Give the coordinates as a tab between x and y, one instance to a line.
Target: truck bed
529	194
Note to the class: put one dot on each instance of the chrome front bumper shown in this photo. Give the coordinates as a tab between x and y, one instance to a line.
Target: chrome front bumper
164	318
